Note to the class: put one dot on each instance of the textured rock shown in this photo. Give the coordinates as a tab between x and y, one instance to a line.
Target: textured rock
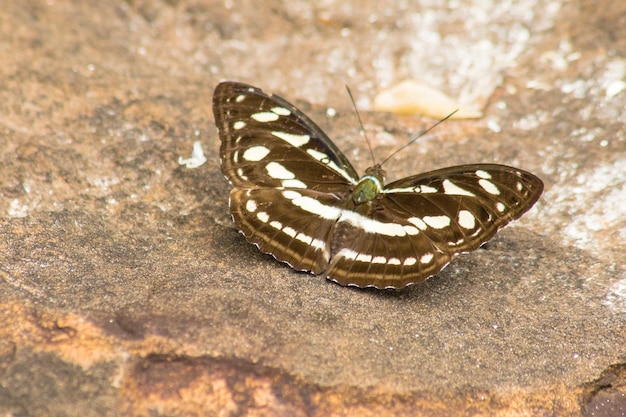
125	290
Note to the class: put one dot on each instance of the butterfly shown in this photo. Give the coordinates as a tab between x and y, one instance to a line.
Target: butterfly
297	197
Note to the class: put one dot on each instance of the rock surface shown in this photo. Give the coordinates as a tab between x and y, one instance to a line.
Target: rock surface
125	290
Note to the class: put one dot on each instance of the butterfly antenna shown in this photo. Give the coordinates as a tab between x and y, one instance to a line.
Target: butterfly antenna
417	137
362	132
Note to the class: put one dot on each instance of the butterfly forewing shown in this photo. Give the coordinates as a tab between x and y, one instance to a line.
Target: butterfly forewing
477	199
267	142
293	197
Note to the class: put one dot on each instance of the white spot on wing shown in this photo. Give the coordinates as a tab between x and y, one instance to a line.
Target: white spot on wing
304	238
409	261
239	125
451	188
281	111
311	205
371	225
318	244
399	190
240	98
425	189
426	258
291	195
457	242
278	171
500	207
251	206
379	260
320	156
467	219
293	183
437	222
323	158
293	140
394	261
519	186
489	187
483	174
276	224
363	257
418	222
240	174
264	117
341	172
347	254
410	230
289	231
255	153
263	216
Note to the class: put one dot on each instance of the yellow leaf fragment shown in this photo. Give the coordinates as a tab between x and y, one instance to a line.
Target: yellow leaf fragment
415	97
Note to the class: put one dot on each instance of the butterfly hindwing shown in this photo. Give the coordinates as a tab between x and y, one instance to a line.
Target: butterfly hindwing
281	227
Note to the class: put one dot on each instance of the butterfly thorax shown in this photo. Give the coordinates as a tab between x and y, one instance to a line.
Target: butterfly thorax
369	186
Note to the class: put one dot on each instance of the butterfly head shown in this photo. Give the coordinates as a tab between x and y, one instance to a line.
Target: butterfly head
369	186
